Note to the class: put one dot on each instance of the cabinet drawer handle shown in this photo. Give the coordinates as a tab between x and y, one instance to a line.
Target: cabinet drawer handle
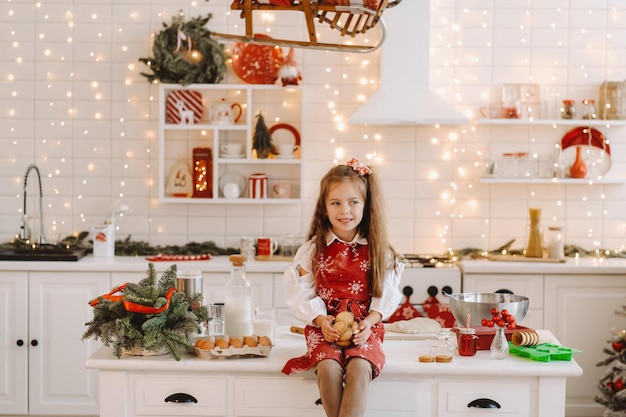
181	397
20	342
483	403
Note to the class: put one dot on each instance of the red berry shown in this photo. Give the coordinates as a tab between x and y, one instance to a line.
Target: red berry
500	323
511	326
483	322
505	312
494	311
489	323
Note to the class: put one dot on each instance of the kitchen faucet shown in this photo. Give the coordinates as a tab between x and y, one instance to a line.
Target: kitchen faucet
24	230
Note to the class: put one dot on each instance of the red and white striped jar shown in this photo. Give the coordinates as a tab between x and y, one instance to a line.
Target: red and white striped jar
257	185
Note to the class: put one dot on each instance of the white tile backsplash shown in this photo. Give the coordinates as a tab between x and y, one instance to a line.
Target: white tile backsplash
73	102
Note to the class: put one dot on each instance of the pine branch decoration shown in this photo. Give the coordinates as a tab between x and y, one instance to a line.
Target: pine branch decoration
170	329
185	53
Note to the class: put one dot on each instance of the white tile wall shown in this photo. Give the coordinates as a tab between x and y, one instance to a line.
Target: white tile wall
72	101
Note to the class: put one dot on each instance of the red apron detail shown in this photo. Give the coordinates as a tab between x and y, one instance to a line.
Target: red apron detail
342	283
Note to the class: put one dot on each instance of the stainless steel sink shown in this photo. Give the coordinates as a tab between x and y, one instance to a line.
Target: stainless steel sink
41	253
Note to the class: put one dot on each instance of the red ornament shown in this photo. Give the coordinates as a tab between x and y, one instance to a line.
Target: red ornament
618	345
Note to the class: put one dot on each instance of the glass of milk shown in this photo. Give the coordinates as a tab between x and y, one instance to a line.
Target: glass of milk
264	323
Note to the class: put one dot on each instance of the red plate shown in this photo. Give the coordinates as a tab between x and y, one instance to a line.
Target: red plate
257	64
289	128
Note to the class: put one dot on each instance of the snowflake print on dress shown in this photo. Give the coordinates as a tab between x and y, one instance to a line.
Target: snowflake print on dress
325	293
356	287
313	341
365	265
324	265
320	356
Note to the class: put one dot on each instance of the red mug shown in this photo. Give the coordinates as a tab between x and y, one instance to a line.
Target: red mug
265	246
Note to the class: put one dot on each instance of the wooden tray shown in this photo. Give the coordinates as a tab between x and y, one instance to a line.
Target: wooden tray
273	258
520	258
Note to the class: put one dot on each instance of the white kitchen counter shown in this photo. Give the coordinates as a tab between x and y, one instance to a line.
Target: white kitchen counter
137	264
221	264
402	359
256	387
586	265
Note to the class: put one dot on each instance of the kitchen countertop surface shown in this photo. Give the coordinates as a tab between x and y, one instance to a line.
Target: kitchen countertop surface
139	264
402	360
586	265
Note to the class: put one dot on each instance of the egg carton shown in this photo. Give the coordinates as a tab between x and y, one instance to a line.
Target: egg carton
231	351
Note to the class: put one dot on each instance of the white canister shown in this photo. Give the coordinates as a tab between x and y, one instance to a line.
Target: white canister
104	240
257	184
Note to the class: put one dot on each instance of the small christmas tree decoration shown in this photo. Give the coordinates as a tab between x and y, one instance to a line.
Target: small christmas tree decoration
612	385
185	53
262	140
150	314
290	73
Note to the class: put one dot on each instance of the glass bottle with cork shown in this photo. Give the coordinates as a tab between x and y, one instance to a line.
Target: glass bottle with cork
238	300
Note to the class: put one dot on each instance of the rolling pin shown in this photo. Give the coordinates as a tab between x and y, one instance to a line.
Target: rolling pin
296	329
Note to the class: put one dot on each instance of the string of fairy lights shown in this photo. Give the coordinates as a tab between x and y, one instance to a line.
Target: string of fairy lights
53	46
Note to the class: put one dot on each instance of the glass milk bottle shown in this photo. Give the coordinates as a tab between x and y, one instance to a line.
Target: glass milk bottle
556	246
238	300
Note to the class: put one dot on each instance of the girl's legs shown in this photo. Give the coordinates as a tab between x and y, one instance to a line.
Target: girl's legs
357	379
338	401
330	383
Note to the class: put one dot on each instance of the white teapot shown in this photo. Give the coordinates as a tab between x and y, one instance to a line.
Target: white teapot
223	113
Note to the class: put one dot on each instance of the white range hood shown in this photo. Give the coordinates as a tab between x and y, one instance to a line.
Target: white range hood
404	96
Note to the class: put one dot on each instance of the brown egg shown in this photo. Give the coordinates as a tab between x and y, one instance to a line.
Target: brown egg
265	341
236	342
222	343
251	341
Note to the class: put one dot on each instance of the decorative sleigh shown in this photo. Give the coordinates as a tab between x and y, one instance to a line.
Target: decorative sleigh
349	17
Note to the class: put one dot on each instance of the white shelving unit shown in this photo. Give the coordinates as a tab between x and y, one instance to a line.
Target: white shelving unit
596	123
280	106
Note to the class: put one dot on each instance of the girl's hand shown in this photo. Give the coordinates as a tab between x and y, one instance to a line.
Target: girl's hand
365	328
365	331
328	331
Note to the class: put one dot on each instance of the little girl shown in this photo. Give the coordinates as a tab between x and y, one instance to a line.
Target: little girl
347	264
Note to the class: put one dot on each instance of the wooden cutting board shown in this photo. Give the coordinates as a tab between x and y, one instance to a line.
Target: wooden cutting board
519	258
273	258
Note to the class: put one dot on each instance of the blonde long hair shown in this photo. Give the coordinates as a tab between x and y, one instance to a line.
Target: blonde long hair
372	227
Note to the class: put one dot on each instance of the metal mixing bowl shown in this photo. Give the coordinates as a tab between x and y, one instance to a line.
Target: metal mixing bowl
479	306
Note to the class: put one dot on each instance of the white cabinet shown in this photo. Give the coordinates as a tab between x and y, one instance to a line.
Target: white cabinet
281	108
581	314
527	285
578	308
14	342
44	351
294	396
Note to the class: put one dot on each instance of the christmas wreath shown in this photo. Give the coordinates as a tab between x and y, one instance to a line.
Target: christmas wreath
185	53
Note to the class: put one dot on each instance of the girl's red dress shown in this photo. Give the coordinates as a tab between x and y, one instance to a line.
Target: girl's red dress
342	283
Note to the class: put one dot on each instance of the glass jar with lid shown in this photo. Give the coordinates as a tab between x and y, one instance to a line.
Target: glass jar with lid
588	109
568	110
